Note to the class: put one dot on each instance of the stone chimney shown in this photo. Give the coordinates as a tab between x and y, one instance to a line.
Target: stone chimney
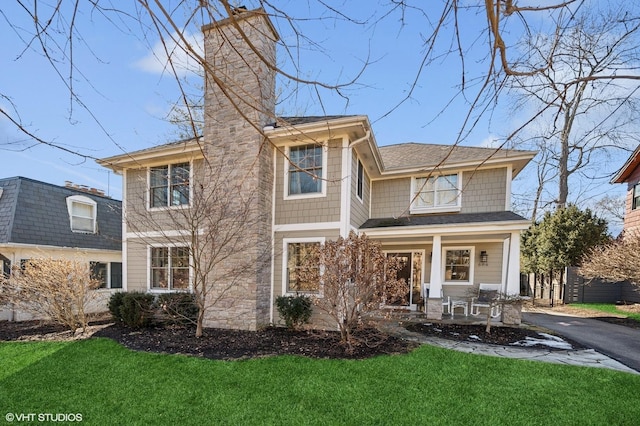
240	53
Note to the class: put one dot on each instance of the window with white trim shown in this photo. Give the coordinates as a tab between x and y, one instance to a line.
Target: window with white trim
635	203
360	180
82	214
439	193
305	171
169	268
458	265
109	274
299	257
169	185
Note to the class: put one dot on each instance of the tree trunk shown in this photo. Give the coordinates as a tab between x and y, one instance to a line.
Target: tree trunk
199	321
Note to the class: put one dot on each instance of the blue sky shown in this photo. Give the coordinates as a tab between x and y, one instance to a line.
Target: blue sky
127	95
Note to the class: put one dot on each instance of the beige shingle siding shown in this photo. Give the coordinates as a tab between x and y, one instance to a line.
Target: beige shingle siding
390	197
483	191
316	209
359	208
137	275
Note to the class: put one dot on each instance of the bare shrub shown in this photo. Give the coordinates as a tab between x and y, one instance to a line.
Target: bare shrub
355	277
57	289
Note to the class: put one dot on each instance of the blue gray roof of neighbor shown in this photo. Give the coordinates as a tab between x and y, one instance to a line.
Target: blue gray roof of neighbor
34	212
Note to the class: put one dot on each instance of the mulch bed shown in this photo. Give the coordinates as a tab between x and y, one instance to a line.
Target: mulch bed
499	335
238	344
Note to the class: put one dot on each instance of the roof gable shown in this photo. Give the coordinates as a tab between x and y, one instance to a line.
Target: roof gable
625	172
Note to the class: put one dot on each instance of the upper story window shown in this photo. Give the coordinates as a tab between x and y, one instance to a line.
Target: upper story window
169	185
360	181
305	170
82	213
635	203
436	193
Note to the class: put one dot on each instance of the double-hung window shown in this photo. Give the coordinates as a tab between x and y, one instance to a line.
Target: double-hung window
82	213
436	193
305	170
302	267
635	204
169	185
458	265
169	268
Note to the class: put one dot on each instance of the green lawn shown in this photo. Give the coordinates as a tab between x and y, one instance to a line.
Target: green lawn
108	384
609	308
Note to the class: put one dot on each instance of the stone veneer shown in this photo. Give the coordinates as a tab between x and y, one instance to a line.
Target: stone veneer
239	102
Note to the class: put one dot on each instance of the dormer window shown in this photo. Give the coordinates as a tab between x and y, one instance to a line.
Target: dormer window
169	185
82	214
435	194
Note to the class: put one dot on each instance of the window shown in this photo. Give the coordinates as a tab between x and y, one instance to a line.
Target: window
82	213
170	268
360	180
436	192
458	267
169	185
636	197
298	254
109	274
305	172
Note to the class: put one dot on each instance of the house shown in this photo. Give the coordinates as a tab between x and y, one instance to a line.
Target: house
38	219
445	211
629	173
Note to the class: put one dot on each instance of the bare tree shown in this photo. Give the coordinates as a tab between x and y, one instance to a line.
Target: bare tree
582	115
55	289
618	260
203	236
352	277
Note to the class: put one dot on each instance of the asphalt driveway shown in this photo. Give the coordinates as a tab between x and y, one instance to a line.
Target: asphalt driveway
616	341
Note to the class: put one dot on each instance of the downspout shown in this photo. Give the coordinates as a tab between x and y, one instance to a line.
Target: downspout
366	136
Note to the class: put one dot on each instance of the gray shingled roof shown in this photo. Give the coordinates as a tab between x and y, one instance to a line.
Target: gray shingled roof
297	121
412	155
444	219
34	212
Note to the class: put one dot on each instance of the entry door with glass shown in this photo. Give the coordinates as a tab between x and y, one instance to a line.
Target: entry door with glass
411	272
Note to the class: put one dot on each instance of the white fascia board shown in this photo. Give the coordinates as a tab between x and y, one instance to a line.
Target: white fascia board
336	125
450	229
317	226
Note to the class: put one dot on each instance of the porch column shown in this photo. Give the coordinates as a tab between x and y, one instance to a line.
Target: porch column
513	266
434	303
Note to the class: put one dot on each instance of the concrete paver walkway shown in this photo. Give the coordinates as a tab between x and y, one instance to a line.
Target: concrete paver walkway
582	357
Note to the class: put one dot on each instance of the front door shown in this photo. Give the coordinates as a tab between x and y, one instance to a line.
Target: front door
411	272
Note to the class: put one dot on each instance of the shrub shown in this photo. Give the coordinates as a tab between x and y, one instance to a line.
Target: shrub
295	310
136	310
115	302
57	289
178	308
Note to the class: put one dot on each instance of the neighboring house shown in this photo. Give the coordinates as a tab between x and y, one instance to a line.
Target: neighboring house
38	220
445	211
630	174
